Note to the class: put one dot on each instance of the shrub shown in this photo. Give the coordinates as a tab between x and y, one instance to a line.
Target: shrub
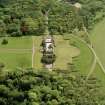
48	59
4	42
2	66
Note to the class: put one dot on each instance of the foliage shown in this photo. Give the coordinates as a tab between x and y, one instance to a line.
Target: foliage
30	87
48	58
63	17
4	42
2	66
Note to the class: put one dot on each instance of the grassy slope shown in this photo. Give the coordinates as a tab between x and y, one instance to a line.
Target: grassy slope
98	73
63	51
98	39
17	42
83	62
37	63
13	59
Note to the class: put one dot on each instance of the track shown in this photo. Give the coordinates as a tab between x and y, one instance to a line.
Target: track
96	58
33	51
92	68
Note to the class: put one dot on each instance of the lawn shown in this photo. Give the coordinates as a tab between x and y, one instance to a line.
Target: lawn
99	74
83	62
14	60
38	55
64	52
98	39
15	53
17	43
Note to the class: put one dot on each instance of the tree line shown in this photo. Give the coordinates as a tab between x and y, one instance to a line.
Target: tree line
27	17
35	87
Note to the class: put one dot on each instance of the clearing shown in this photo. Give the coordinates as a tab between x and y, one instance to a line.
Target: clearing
64	52
16	53
98	39
19	51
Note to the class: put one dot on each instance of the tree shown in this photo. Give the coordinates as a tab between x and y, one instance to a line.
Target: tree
4	42
37	87
48	58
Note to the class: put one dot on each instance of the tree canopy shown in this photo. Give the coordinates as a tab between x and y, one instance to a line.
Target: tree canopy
30	87
63	17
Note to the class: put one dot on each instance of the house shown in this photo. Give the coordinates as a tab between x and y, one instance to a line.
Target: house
48	57
48	44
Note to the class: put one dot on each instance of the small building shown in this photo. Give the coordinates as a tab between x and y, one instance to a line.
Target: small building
78	5
48	57
48	44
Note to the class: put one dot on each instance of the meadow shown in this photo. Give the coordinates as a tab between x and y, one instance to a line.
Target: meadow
63	51
98	40
18	52
97	36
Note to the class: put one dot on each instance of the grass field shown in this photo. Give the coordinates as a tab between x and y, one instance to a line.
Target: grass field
17	42
82	56
15	53
14	60
98	73
18	52
98	39
38	55
84	61
64	52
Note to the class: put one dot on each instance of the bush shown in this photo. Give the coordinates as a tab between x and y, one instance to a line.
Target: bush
16	34
2	66
4	42
48	59
41	87
72	42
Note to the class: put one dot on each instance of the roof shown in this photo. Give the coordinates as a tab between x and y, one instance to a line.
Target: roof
77	5
48	40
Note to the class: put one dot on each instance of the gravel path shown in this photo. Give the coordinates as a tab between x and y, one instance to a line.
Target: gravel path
33	51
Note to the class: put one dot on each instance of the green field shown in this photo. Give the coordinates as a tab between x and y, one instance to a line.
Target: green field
98	73
64	52
17	53
17	42
84	61
37	57
21	53
15	60
98	39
